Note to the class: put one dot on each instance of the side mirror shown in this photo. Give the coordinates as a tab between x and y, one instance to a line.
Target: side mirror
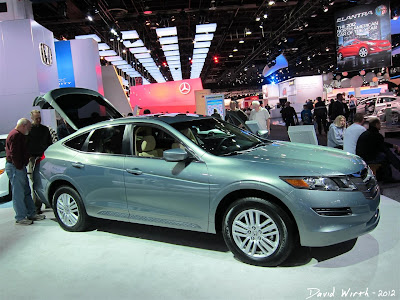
263	133
175	155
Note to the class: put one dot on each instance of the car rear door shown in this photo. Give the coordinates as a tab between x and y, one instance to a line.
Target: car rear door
99	171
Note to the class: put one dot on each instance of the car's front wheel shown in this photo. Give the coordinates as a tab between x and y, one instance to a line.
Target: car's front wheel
363	52
258	232
69	209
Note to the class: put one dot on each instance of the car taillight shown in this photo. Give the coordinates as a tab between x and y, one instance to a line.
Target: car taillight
41	158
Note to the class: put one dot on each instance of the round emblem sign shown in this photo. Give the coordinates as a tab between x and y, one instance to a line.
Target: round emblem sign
184	88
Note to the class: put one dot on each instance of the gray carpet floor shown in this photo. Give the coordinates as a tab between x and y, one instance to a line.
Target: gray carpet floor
129	261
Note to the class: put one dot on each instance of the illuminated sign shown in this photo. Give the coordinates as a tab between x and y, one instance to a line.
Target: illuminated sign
184	88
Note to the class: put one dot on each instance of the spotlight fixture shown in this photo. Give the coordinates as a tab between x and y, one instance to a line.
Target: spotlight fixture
247	31
90	18
241	41
327	49
271	2
261	25
235	50
231	55
265	16
325	8
258	19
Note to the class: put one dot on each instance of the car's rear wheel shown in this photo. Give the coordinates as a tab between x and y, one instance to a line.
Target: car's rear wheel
258	232
69	209
363	52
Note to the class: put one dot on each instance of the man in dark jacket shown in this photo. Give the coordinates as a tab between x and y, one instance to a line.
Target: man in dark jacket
373	149
39	139
320	113
17	158
337	107
288	115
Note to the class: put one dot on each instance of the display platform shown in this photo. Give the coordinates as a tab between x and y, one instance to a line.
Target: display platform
129	261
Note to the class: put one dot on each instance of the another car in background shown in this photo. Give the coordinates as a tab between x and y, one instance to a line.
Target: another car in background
377	107
5	187
362	48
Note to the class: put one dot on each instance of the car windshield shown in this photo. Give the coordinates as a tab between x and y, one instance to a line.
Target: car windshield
219	137
2	148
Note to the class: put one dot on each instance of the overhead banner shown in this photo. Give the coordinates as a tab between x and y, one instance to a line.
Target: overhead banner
364	37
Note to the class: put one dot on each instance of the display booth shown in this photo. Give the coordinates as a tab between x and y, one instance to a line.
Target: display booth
168	97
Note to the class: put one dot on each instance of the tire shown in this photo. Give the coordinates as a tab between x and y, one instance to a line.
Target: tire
363	52
69	209
242	230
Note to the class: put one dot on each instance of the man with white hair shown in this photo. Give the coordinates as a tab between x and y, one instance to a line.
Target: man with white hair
261	115
17	158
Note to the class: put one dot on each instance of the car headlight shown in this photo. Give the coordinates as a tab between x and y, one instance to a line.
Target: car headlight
340	183
370	43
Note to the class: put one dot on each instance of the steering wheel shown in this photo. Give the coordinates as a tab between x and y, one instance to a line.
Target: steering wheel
223	140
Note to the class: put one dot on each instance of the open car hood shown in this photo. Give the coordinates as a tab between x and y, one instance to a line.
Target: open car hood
79	107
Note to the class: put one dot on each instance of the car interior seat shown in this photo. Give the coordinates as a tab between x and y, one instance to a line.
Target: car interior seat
148	147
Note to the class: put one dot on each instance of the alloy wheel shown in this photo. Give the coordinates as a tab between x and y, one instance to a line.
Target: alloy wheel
255	233
67	209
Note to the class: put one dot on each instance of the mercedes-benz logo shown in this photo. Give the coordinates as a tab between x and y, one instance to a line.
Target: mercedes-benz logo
184	88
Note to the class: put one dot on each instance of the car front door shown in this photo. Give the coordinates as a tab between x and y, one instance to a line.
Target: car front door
168	194
101	165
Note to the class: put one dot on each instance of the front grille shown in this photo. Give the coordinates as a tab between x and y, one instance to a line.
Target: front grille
333	212
365	183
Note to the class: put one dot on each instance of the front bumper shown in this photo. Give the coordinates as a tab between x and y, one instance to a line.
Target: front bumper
352	215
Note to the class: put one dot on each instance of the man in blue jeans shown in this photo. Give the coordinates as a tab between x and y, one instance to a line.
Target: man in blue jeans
17	158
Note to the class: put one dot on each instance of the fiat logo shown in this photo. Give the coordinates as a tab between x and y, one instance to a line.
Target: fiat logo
184	88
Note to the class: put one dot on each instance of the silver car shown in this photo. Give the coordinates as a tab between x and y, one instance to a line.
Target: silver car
378	106
202	174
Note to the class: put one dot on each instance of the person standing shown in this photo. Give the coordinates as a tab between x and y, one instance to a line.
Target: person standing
352	108
352	134
288	115
321	113
39	138
337	107
336	132
17	158
216	115
306	115
261	115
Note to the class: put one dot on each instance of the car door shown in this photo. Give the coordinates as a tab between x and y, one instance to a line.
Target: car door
99	172
169	194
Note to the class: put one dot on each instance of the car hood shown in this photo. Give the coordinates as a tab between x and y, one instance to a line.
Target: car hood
306	158
79	107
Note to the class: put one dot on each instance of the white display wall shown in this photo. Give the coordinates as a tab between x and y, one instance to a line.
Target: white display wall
23	74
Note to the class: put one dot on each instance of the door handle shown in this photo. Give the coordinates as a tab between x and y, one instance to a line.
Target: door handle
78	165
134	171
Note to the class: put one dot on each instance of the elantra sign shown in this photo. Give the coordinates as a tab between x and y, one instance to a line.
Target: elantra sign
364	37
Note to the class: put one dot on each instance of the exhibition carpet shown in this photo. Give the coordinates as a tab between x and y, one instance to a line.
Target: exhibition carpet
129	261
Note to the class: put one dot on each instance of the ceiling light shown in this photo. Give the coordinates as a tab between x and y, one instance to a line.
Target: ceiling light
231	55
205	28
327	49
261	26
103	46
113	58
258	19
241	41
235	50
167	31
90	18
265	16
203	37
107	53
171	53
170	47
202	45
138	50
138	43
130	35
147	12
200	50
325	8
247	31
195	56
88	36
142	55
119	62
271	2
169	40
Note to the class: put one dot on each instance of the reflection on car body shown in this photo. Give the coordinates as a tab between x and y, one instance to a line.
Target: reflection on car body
203	174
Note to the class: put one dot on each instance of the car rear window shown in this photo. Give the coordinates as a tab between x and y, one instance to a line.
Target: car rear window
77	142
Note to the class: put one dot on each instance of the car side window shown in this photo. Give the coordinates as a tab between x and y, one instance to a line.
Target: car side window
107	140
77	142
151	141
